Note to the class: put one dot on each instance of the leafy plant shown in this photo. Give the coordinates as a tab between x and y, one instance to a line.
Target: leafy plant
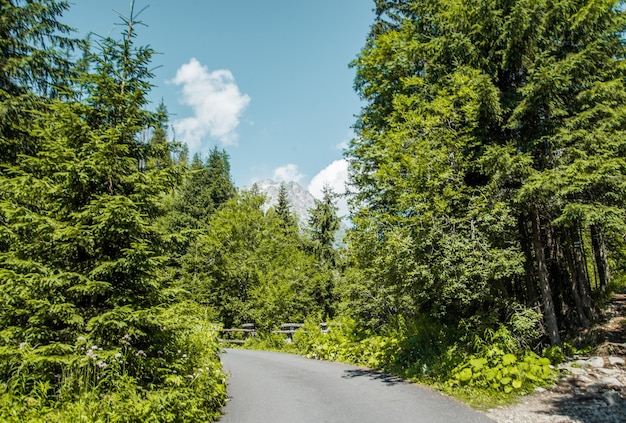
499	365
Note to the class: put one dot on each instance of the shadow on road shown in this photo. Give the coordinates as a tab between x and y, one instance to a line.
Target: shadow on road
372	374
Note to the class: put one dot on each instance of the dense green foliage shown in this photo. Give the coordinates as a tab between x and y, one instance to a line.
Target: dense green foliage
97	384
84	308
487	214
255	267
323	226
488	184
205	187
489	161
30	73
114	251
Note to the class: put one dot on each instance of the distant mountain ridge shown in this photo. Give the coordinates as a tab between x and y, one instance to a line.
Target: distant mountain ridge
300	200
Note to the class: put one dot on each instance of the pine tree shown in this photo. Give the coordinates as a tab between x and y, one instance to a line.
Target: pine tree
283	211
323	224
84	258
34	66
221	186
204	189
159	145
195	201
488	155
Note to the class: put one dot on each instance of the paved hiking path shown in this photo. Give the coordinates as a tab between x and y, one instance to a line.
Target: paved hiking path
280	388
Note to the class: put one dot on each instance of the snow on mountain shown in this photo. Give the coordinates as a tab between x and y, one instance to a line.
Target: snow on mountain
300	200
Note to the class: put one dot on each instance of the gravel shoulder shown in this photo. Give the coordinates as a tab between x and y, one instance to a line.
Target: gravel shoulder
590	394
591	389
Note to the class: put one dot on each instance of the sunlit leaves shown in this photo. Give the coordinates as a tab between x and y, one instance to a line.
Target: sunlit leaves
476	112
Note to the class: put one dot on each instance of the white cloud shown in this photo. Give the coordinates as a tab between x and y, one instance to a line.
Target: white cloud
216	102
343	145
287	173
335	175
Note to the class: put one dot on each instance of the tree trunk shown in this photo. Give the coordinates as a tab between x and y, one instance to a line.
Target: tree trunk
598	244
544	281
584	288
580	309
557	272
532	296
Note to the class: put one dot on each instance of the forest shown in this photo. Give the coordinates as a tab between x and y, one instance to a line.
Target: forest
487	214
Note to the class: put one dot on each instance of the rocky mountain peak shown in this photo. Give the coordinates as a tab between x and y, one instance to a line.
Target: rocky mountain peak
300	200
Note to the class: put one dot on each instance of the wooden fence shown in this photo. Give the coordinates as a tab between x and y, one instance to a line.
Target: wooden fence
247	330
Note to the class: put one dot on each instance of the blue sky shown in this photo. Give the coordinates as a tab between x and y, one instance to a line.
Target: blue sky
267	80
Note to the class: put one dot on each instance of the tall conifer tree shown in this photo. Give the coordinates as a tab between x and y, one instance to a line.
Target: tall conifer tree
324	224
83	255
34	65
489	153
283	211
221	185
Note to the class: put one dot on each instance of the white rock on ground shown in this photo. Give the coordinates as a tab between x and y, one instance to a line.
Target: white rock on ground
585	393
596	362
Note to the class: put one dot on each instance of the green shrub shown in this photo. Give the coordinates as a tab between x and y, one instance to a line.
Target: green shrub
127	403
268	342
501	366
554	354
558	355
183	382
336	344
410	349
525	326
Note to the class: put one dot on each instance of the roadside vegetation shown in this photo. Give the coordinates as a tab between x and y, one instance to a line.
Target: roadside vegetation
487	188
92	328
487	225
483	370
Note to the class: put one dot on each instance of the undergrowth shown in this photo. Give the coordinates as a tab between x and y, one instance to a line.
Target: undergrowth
183	382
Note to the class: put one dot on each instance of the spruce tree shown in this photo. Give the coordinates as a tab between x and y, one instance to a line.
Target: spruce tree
204	189
488	156
283	211
323	224
195	201
33	69
221	186
160	147
34	66
83	259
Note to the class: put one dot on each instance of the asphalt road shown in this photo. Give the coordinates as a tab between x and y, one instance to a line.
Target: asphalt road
280	388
